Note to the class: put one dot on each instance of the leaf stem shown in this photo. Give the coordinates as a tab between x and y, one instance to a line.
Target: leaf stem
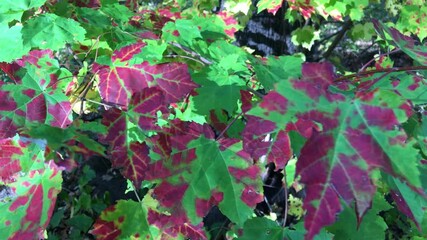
373	59
229	125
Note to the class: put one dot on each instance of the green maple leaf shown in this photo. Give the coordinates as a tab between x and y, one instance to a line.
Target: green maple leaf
273	71
219	90
262	228
12	38
184	30
211	96
372	226
49	31
362	31
305	36
13	9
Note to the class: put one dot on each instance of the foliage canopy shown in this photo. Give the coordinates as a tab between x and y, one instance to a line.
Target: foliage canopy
191	119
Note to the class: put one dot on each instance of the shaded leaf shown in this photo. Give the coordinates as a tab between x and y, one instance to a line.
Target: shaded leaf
372	226
262	228
416	51
408	201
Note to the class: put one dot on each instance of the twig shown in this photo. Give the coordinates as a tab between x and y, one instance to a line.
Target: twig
99	103
327	37
71	52
387	70
193	54
136	193
381	55
187	57
84	93
62	78
258	94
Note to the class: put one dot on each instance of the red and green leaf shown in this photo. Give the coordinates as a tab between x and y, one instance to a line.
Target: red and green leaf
415	50
126	219
122	79
35	98
357	136
34	184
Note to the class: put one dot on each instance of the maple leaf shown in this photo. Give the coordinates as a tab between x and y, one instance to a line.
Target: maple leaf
11	69
124	129
181	151
356	136
177	223
122	79
257	141
272	71
272	6
407	44
74	138
12	37
36	98
411	87
125	219
34	184
231	23
262	229
408	201
220	89
305	7
373	224
37	32
13	10
205	178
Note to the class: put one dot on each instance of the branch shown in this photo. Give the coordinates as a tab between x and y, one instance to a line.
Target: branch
228	126
347	25
254	92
